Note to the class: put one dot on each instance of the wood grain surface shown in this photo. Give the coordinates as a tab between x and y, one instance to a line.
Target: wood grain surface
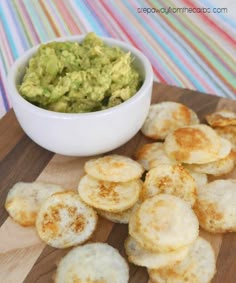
24	257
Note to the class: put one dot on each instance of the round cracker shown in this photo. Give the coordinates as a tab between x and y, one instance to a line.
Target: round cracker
216	206
229	133
114	168
64	220
165	117
109	196
200	178
24	200
222	118
170	179
119	217
225	148
94	262
197	144
216	168
142	257
199	266
152	154
159	222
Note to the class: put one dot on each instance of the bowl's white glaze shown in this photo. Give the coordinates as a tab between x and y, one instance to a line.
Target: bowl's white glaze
83	134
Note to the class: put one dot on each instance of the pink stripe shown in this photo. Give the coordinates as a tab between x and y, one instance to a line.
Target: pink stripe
106	21
33	33
56	18
201	37
222	33
67	17
165	39
6	46
134	40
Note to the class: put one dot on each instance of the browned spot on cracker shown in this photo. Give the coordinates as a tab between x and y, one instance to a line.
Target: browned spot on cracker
164	182
220	119
79	224
191	139
108	191
180	155
183	113
49	225
143	150
27	219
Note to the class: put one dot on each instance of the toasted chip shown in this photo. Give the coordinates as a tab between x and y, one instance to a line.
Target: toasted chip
199	266
165	117
170	179
119	217
229	133
109	196
222	118
114	168
152	154
24	200
196	144
216	206
93	263
218	167
142	257
64	220
159	222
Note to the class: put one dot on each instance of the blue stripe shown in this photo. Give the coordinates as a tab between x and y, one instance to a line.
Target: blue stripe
166	72
58	18
201	66
192	57
216	61
10	39
2	89
165	48
18	26
43	19
91	18
228	20
35	20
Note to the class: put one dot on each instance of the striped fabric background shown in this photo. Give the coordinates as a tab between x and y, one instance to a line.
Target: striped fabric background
195	51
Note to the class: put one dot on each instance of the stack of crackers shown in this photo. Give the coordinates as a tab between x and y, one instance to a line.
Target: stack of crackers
171	187
112	186
185	160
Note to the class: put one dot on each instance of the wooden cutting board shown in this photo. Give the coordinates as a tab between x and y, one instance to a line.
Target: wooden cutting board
23	256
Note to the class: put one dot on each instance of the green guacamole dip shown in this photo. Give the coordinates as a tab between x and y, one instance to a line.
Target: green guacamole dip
77	77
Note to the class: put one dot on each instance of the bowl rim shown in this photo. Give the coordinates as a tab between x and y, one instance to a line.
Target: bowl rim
13	92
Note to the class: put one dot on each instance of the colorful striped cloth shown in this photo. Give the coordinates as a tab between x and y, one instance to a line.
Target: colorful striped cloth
191	50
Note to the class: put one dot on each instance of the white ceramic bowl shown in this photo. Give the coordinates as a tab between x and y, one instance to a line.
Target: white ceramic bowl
83	134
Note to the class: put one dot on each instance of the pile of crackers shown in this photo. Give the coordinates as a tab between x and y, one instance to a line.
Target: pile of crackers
173	185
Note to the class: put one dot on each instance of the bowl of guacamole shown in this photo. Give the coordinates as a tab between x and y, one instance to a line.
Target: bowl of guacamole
81	95
79	77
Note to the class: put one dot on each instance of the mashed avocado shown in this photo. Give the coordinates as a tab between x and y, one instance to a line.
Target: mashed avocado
79	77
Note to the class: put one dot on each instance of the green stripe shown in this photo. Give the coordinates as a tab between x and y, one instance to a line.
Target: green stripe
59	16
29	39
46	24
213	44
183	30
76	19
35	20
